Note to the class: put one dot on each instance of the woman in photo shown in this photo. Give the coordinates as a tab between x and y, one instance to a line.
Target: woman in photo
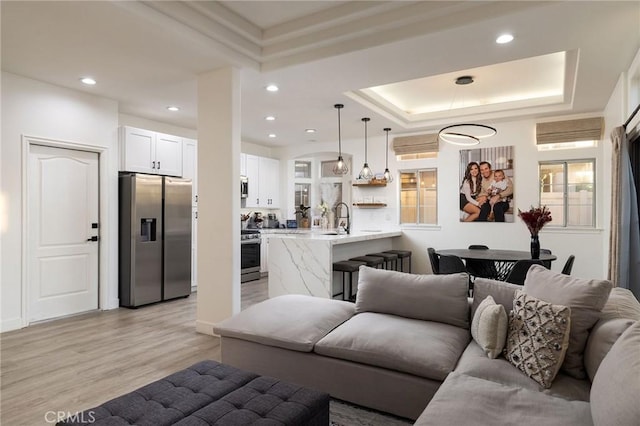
469	190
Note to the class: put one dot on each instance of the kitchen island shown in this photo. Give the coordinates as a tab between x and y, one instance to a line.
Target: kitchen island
301	262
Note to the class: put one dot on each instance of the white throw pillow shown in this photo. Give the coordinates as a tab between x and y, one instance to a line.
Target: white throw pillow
489	327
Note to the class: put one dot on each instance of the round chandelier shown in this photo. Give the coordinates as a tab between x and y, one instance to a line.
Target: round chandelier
465	134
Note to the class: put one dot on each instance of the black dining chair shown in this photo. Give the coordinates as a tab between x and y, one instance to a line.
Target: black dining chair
568	265
481	268
433	258
546	263
519	271
450	265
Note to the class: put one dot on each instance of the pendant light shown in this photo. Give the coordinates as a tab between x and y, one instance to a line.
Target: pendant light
387	174
465	134
341	166
365	173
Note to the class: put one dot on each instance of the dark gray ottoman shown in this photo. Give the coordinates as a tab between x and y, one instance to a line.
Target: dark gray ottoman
210	393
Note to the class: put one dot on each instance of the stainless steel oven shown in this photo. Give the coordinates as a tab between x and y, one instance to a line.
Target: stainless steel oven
249	255
244	187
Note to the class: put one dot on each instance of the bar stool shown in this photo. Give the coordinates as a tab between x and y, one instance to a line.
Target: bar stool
371	261
402	255
347	266
390	260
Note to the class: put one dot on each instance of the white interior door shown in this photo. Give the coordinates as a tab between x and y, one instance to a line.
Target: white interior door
62	206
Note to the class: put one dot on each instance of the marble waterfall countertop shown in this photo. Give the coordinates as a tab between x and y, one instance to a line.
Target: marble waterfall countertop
301	262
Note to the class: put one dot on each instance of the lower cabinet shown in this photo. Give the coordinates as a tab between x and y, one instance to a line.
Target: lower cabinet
264	254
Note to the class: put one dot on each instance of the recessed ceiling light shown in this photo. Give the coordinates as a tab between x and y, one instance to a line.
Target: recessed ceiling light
269	118
88	81
272	135
504	38
173	108
272	88
310	130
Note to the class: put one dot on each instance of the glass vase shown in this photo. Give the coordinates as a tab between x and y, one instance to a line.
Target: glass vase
535	247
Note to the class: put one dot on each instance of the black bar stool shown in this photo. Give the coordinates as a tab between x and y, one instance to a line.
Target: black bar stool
402	255
371	261
390	260
347	266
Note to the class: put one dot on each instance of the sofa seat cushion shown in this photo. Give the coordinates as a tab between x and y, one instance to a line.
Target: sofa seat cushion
474	362
423	348
294	322
463	400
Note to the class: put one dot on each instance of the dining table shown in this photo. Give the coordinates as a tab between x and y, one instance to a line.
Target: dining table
497	262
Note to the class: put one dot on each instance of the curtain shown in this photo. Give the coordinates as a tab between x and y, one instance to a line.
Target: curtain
624	242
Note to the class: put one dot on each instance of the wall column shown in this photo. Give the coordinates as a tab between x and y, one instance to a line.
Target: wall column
218	197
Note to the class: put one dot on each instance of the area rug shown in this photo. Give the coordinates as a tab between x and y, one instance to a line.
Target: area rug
344	414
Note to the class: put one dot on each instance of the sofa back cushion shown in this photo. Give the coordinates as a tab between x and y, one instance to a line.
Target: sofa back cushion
616	386
502	293
619	313
441	298
586	298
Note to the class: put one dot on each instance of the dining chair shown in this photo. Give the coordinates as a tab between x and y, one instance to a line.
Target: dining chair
481	268
448	264
546	263
433	258
520	269
568	265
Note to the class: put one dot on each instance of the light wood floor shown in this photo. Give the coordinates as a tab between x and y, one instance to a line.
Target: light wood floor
76	363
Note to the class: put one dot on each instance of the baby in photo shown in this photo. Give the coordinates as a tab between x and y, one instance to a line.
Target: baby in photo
498	185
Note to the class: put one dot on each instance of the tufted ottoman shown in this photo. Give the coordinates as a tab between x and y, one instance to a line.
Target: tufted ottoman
210	393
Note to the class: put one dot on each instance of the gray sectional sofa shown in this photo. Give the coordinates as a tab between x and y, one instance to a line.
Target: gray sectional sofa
406	347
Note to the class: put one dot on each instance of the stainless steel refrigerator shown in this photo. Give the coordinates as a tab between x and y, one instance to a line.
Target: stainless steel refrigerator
155	238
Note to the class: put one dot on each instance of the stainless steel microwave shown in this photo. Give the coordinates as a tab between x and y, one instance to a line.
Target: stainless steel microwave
244	187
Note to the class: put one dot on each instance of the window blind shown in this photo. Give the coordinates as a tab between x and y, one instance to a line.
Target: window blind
585	129
415	144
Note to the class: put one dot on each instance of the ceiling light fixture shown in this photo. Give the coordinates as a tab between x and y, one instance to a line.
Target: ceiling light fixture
269	118
387	174
365	173
465	134
504	38
88	81
341	166
310	130
272	135
272	88
173	108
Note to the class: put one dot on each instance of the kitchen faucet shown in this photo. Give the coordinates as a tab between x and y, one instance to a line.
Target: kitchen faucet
348	226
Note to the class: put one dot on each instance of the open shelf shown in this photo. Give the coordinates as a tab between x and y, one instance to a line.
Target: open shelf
371	184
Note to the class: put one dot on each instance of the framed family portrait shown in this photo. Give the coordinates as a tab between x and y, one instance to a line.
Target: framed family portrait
486	185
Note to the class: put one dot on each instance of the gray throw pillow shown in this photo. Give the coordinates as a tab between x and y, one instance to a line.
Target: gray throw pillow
586	298
441	298
538	337
616	386
489	327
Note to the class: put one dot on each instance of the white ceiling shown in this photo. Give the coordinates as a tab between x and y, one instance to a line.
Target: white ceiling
147	55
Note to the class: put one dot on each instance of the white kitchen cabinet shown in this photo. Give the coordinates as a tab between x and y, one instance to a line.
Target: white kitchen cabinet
145	151
190	166
243	164
194	247
264	182
264	254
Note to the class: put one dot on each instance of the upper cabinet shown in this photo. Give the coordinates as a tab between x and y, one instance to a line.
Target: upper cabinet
145	151
190	166
263	175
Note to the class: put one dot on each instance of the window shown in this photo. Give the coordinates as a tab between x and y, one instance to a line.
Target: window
567	188
302	194
418	197
302	169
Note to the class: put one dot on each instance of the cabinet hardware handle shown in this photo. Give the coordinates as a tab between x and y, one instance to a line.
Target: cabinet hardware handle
196	215
94	238
257	200
196	198
158	165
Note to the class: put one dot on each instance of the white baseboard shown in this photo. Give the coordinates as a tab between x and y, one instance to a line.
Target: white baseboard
205	327
12	324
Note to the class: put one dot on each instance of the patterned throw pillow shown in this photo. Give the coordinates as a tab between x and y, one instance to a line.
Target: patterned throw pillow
489	327
538	337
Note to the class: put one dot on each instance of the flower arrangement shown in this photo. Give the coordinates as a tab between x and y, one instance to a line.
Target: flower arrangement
535	218
302	210
324	208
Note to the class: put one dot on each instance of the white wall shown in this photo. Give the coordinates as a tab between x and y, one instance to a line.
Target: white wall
588	246
156	126
39	109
